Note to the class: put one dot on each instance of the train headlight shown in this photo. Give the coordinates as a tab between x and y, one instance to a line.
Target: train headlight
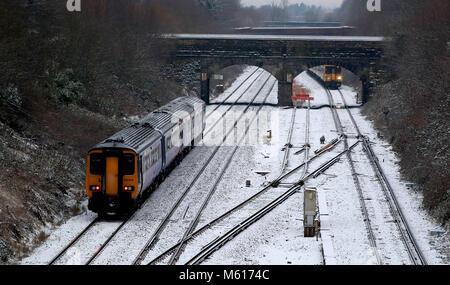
128	188
95	188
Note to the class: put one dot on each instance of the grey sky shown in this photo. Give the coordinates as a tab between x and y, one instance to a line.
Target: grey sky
324	3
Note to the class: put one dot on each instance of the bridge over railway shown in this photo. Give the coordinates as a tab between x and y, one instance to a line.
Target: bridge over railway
283	56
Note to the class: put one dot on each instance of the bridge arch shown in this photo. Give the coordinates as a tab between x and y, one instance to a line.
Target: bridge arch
284	72
350	78
365	73
224	72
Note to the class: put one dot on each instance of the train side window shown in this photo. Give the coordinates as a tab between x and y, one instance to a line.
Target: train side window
147	161
152	157
97	164
156	155
127	164
169	143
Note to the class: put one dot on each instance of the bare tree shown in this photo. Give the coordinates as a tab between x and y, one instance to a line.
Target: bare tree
285	8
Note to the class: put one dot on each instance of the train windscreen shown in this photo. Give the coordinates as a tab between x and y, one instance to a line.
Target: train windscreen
127	164
333	70
97	164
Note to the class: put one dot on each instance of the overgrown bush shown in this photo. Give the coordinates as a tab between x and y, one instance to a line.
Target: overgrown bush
66	89
11	95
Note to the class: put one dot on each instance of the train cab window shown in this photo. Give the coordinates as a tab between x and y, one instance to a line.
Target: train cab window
333	70
127	164
97	164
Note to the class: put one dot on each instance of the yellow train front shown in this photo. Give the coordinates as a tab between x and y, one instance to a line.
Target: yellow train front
112	179
333	76
121	169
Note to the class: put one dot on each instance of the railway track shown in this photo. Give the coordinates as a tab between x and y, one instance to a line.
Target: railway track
227	214
73	242
288	145
320	170
340	130
128	218
413	248
220	241
229	235
195	221
414	252
237	89
370	233
154	238
83	233
229	107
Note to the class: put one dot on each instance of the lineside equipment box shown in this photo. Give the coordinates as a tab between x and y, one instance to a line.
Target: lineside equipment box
309	211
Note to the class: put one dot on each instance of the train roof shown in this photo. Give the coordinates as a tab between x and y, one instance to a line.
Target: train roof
149	129
161	119
190	100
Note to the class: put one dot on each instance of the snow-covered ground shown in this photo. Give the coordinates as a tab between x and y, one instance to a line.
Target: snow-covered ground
277	238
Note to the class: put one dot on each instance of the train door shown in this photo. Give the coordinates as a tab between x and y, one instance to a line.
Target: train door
192	118
164	150
112	176
181	132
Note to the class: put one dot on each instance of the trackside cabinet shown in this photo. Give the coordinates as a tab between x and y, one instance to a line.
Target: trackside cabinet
309	211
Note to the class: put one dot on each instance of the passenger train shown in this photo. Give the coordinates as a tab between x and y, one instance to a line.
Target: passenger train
124	167
333	76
